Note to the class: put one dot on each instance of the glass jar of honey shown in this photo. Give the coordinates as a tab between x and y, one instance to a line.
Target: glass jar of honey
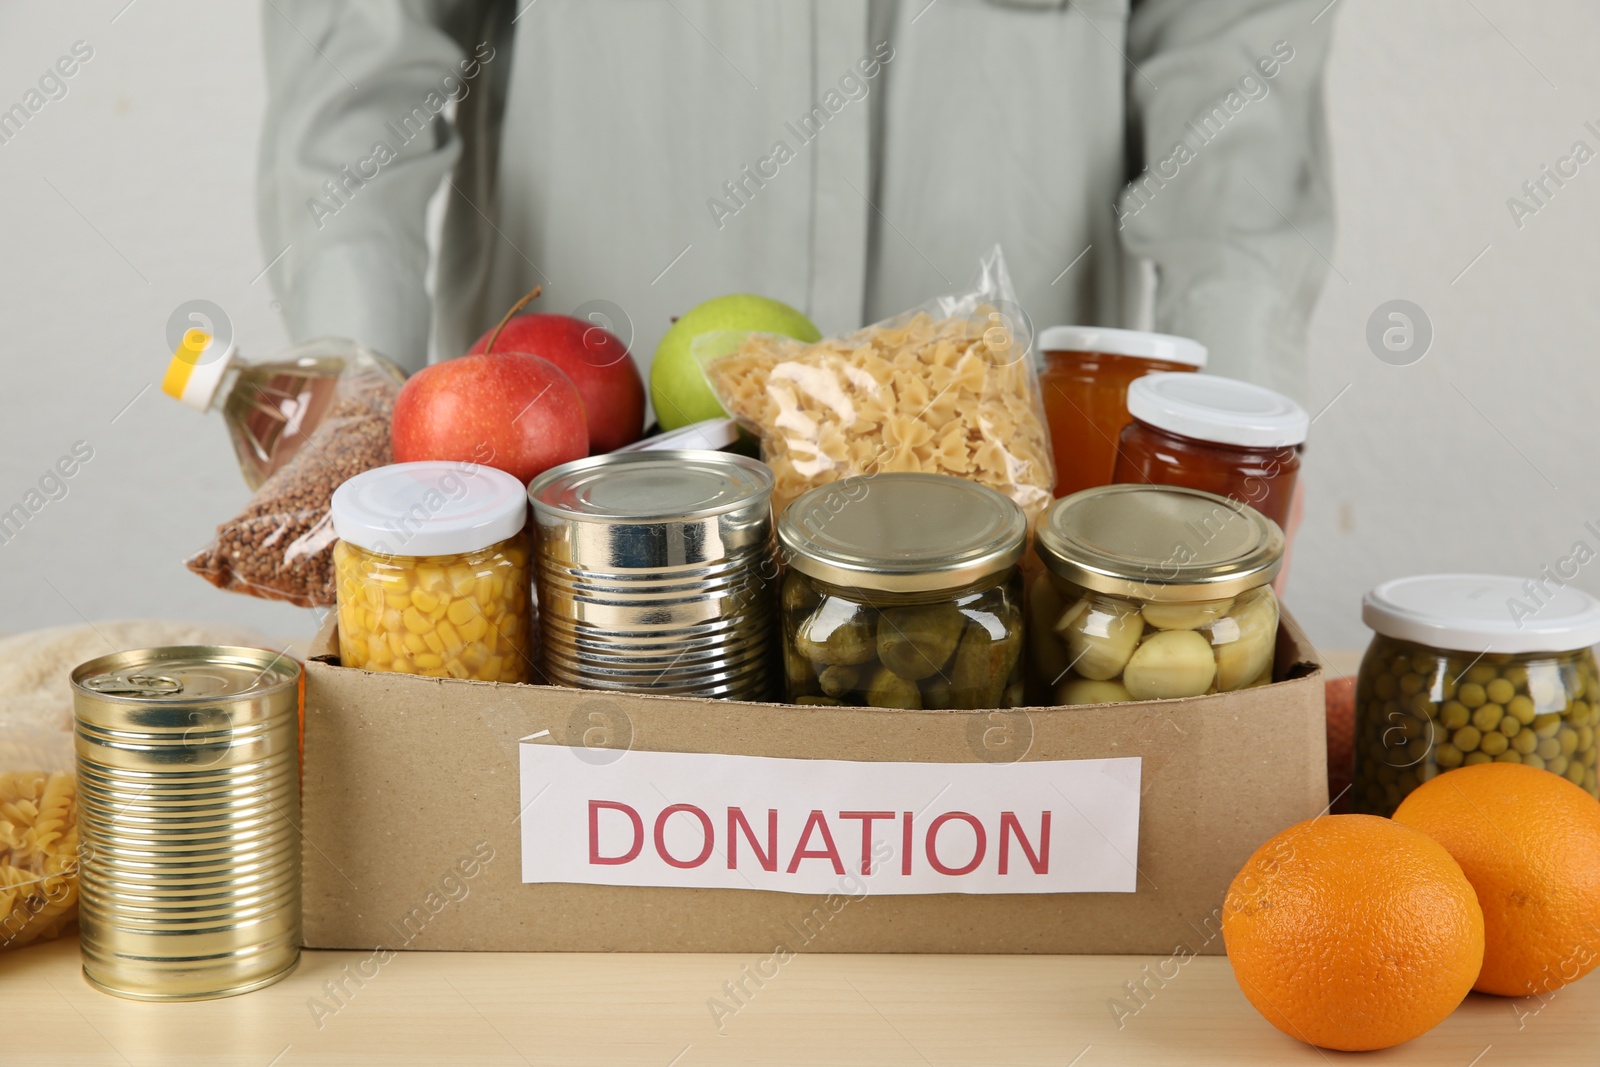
1085	380
1228	437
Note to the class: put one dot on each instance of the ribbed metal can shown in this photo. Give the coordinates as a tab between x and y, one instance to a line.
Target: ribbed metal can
654	573
189	813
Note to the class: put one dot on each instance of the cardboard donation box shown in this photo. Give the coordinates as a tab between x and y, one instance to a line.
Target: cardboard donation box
458	815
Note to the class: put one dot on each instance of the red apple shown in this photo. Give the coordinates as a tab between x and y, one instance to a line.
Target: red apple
509	410
598	364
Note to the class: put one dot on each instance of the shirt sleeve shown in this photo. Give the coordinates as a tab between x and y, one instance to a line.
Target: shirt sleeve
357	138
1231	198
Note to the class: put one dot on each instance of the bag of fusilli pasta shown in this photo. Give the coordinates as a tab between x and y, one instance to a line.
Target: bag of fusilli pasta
38	835
945	388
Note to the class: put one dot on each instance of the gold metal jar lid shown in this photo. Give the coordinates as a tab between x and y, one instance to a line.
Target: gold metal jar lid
1156	542
902	533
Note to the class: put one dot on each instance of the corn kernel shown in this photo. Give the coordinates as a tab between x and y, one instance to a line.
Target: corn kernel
415	643
424	601
416	621
429	660
434	642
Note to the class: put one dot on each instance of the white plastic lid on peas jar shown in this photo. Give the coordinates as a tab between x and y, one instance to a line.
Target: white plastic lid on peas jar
432	508
1113	342
1483	613
1224	411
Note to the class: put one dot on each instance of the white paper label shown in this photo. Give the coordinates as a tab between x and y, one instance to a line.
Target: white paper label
825	826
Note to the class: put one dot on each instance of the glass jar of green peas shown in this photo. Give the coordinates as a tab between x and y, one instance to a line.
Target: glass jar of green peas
1467	669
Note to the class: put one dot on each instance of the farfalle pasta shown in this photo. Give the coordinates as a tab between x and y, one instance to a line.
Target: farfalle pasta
947	389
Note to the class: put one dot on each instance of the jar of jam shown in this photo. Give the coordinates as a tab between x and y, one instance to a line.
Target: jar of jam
1474	668
1228	437
1085	380
1152	592
432	572
903	592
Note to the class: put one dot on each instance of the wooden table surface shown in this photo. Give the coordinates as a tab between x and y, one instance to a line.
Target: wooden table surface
882	1011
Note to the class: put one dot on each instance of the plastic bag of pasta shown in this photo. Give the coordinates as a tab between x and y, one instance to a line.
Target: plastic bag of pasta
946	388
38	835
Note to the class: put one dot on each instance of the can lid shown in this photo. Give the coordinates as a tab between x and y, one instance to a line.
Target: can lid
185	674
663	485
196	369
1140	343
1159	543
902	533
1482	613
430	508
1223	410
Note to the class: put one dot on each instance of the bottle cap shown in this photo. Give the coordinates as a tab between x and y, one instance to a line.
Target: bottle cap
196	369
1484	613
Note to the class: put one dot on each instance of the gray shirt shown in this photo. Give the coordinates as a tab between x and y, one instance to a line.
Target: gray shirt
1161	164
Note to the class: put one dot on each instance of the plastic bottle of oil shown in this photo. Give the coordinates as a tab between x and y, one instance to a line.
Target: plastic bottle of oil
271	406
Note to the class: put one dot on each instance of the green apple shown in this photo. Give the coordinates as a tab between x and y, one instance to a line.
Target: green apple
678	386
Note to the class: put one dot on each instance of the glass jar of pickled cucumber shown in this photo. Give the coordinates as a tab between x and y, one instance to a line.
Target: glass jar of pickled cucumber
432	572
1472	668
1152	592
903	591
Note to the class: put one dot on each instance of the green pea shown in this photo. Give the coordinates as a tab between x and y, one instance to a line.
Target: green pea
1576	772
1500	690
1473	759
1521	706
1427	772
1510	726
1517	675
1525	742
1447	756
1557	764
1424	664
1472	695
1384	685
1547	724
1399	665
1585	738
1453	715
1494	743
1481	673
1488	717
1467	738
1411	684
1533	761
1511	756
1549	748
1569	740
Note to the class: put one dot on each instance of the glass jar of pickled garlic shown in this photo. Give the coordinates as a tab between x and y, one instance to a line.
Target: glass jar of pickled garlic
432	572
1151	593
1474	668
1084	379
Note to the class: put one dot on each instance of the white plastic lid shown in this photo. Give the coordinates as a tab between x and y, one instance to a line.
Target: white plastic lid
433	508
1224	410
1123	343
1483	613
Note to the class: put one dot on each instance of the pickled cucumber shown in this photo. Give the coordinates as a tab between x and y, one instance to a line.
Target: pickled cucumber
838	680
983	665
1101	637
888	690
837	633
1045	649
1170	663
917	641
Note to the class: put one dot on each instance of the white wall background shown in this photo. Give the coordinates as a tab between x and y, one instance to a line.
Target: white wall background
134	194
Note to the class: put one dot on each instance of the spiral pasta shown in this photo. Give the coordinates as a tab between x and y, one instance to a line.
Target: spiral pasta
38	855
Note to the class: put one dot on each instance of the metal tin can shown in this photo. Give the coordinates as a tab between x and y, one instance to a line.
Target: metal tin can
189	813
654	573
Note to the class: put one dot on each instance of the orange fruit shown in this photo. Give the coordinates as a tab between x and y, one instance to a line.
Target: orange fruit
1529	842
1353	932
